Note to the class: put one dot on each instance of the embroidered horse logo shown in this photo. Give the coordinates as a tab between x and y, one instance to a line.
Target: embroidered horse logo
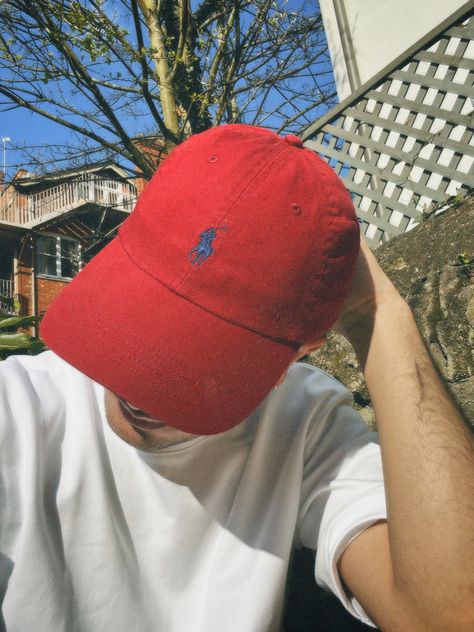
204	249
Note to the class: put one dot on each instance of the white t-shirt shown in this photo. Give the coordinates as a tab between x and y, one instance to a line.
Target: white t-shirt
96	535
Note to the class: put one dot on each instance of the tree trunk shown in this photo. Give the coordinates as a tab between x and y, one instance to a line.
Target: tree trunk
167	96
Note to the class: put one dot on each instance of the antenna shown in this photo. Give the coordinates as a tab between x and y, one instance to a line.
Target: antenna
5	140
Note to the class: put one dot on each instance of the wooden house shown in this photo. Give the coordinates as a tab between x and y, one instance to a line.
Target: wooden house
52	225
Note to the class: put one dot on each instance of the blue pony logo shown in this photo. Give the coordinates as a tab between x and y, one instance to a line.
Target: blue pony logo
204	249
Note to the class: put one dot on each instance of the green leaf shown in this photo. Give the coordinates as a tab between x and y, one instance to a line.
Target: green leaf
15	341
37	346
19	321
465	259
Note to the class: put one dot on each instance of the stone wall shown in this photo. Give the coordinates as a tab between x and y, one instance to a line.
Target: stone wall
430	267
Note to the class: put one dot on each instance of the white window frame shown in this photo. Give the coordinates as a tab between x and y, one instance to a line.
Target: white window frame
58	239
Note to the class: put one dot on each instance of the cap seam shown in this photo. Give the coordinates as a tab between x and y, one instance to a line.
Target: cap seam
288	343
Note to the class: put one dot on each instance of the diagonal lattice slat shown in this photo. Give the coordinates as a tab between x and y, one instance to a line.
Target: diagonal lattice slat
405	141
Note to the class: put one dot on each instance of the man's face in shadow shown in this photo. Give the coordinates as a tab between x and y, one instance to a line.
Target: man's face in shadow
145	434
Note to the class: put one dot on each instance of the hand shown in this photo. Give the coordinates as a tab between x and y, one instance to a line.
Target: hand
370	288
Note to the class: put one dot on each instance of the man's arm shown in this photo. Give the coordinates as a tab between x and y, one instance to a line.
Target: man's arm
414	573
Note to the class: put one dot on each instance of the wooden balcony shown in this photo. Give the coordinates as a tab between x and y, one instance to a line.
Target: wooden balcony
29	210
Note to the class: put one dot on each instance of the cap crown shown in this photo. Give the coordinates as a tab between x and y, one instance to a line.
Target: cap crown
251	227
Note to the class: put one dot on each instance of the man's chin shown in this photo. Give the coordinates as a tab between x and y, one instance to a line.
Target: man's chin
146	435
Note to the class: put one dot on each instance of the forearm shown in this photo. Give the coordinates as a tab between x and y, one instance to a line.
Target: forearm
428	461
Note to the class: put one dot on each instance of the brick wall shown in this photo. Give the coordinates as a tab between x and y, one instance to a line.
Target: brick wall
154	147
24	290
47	290
24	281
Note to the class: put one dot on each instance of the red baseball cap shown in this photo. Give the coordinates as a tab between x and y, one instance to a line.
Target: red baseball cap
241	248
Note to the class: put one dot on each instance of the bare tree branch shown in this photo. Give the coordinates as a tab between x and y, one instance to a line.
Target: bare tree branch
110	72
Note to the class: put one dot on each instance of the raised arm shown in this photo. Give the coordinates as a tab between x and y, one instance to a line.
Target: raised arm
414	573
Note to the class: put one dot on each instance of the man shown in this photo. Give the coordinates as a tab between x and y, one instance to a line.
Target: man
159	466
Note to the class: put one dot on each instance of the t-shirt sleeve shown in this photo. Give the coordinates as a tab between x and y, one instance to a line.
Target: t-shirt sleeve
342	491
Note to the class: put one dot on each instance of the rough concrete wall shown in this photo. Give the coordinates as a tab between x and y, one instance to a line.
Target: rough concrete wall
425	266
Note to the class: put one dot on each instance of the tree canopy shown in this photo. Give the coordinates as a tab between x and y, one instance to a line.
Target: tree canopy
113	71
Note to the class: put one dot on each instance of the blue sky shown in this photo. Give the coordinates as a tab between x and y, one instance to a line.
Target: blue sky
26	128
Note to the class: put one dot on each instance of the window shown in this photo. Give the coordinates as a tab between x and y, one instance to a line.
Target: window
58	256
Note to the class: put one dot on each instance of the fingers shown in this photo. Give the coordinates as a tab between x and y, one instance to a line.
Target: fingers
374	279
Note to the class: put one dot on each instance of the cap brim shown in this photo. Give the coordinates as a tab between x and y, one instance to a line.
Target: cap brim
176	361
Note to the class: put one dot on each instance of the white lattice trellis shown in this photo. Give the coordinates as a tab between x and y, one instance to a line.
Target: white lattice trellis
405	141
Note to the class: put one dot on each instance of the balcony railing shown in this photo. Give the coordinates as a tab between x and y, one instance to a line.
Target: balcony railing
6	290
404	143
28	210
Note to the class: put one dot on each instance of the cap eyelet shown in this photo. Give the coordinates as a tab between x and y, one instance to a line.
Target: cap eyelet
212	159
296	208
291	139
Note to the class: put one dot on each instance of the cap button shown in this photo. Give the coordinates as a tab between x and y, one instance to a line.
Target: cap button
291	139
